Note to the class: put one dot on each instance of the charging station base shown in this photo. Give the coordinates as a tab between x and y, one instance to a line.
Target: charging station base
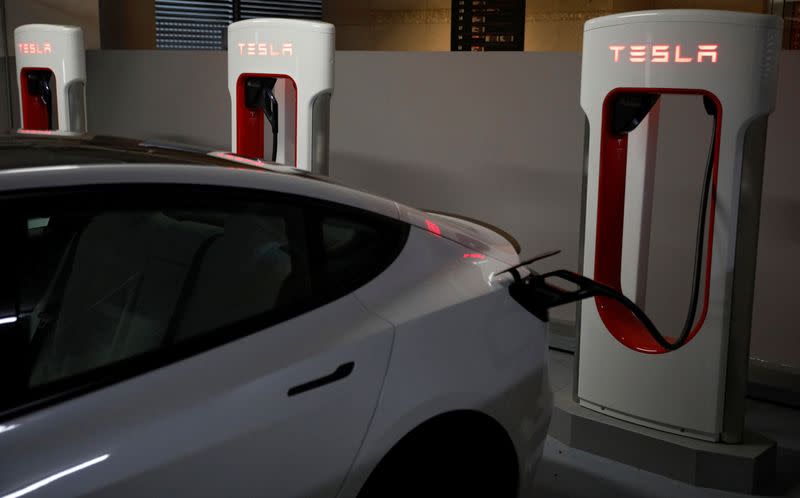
743	468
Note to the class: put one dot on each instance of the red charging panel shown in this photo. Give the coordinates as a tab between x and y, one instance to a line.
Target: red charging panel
34	111
250	122
619	321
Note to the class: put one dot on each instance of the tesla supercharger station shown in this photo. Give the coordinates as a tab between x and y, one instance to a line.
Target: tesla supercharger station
690	381
51	73
280	81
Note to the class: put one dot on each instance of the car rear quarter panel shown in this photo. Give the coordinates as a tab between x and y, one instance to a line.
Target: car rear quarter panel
219	423
461	343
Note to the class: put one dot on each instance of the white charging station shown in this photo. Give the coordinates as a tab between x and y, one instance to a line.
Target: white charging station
51	74
731	59
281	71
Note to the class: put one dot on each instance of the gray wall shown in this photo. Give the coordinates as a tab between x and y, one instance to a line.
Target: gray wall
178	96
776	335
497	136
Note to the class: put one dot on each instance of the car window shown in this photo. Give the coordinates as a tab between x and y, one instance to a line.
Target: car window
105	279
356	249
109	282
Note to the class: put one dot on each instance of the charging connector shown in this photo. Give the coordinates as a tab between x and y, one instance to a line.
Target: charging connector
259	94
38	83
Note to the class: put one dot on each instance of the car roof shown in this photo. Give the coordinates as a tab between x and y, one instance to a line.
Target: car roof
30	162
31	150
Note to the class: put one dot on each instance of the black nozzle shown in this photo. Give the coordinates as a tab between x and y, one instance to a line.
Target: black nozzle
254	89
39	85
629	110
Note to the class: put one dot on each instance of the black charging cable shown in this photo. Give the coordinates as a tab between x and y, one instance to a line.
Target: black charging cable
271	113
629	112
697	271
259	94
538	296
39	86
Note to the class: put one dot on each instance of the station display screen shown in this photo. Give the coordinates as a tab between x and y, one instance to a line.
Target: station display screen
487	25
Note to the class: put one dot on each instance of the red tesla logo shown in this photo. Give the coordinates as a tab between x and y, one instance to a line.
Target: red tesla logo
664	53
35	48
263	49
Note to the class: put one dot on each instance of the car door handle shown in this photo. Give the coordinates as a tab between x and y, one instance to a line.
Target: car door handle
340	373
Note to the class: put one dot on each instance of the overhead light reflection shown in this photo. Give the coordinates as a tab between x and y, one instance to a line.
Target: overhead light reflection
39	169
7	319
59	475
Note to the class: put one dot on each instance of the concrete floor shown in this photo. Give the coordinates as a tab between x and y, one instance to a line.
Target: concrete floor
565	472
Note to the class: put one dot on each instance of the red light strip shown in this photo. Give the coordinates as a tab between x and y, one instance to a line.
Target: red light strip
238	159
433	227
35	132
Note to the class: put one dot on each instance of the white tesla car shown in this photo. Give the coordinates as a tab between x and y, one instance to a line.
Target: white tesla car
176	324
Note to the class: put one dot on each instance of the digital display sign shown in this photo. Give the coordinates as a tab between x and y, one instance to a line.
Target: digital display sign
664	53
487	25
